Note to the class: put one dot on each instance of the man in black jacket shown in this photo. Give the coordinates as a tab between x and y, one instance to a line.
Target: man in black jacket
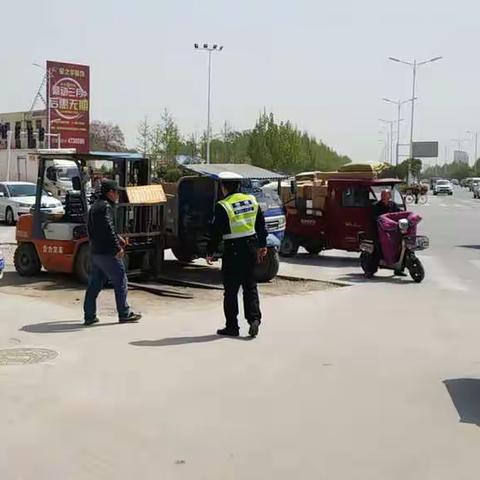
240	223
107	251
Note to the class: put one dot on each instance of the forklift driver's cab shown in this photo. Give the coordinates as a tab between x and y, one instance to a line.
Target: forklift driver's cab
60	243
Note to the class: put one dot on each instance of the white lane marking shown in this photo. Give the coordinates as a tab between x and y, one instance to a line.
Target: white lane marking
437	273
476	263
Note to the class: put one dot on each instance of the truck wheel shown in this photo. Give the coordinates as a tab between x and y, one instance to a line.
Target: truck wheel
182	254
26	261
289	246
268	269
9	217
366	262
82	264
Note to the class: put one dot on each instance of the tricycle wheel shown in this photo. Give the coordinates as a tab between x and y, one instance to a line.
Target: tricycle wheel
367	264
415	268
313	248
182	254
268	268
289	246
26	261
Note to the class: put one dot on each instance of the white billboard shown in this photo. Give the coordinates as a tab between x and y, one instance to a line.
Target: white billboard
460	156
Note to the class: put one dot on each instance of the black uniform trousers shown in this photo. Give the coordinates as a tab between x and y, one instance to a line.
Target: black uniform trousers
238	269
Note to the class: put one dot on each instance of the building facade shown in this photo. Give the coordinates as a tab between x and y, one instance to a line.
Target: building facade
28	129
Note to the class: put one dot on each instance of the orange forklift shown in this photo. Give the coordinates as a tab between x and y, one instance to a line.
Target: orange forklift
60	243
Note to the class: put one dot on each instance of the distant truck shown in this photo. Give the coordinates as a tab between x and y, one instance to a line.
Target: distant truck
24	168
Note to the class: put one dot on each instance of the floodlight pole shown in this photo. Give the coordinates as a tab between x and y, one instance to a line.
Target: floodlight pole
209	49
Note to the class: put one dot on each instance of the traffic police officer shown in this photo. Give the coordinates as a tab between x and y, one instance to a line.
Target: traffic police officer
239	222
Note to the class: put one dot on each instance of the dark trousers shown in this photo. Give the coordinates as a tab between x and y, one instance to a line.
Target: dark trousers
238	269
106	268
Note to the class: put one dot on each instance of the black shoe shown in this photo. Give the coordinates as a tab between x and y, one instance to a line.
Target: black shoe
399	273
253	331
227	332
132	318
94	320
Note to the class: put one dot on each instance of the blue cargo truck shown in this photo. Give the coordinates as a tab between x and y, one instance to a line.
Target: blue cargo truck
191	205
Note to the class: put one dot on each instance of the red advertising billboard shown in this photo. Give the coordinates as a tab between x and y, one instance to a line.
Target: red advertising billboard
68	99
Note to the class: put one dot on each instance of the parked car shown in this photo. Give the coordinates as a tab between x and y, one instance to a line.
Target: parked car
455	182
443	186
16	198
476	189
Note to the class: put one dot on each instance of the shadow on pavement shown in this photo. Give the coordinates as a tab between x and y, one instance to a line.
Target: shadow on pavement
475	247
166	342
360	278
44	281
321	260
465	395
59	327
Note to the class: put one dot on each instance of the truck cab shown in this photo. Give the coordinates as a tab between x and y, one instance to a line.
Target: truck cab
191	206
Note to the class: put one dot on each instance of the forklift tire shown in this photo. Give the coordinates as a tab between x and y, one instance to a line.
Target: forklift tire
82	264
26	261
289	246
268	268
183	255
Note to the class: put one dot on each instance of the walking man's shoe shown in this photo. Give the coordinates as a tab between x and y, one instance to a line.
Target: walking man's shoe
132	318
253	331
227	332
94	320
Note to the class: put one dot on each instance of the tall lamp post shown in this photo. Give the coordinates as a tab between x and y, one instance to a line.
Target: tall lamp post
475	138
391	123
208	48
414	65
399	104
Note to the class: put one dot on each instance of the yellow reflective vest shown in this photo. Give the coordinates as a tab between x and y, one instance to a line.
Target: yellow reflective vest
242	212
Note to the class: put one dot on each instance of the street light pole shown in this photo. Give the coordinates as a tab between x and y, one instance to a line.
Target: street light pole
413	111
399	104
475	137
391	123
207	48
414	66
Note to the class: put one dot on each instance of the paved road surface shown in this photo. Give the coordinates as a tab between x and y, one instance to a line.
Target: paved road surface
376	381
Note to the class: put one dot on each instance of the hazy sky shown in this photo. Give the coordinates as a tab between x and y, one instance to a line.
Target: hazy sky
321	64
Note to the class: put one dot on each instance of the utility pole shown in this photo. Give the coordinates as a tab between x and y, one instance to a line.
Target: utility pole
207	48
9	153
225	140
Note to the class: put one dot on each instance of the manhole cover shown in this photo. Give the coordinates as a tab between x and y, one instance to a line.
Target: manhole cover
22	356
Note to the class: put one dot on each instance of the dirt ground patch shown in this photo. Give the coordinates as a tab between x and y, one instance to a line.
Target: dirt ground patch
64	290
